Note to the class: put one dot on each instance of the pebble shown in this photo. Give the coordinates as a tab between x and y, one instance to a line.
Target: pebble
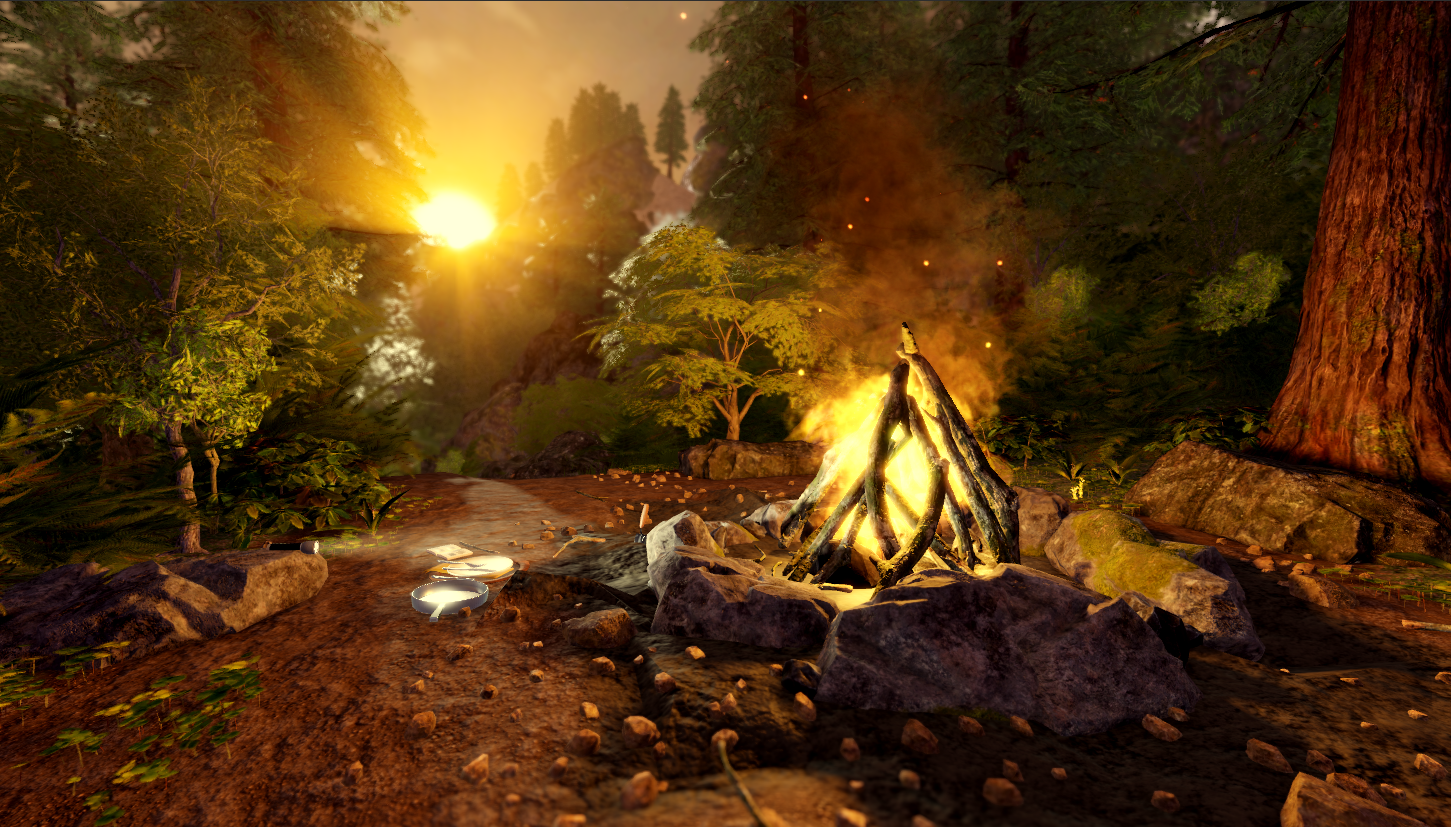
1367	725
1002	792
910	780
1256	550
714	709
524	647
603	666
1266	755
528	545
1264	564
639	732
922	821
918	738
423	724
1168	802
538	644
510	614
1351	681
465	612
1444	677
1431	767
805	709
728	704
478	769
694	652
512	798
590	711
585	742
1059	773
1303	568
662	749
1417	714
729	736
536	675
849	749
847	817
489	692
509	770
741	684
546	535
416	688
546	522
1219	541
1020	726
355	771
651	650
777	669
1392	792
571	820
1011	771
1177	714
1161	730
558	767
1355	785
640	792
1319	762
855	785
1309	557
664	683
969	725
639	659
516	716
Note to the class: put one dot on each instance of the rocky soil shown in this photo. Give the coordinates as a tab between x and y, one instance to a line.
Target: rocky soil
333	740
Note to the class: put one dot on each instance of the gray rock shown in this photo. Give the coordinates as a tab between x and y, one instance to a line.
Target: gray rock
608	629
1113	554
1258	501
151	605
1039	515
727	459
572	453
726	533
768	519
1316	803
709	600
684	529
1014	641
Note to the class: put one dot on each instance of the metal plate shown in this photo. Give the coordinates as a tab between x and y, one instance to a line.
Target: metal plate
434	608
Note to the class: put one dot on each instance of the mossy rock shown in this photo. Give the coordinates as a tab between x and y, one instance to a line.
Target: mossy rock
1124	554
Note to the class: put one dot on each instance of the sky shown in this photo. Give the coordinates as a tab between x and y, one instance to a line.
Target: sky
489	76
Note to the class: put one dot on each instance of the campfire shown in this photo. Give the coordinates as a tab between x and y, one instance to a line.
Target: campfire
915	460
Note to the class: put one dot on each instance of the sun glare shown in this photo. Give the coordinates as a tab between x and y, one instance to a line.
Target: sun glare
455	219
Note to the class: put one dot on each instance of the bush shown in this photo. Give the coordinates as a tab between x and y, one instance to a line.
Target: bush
546	411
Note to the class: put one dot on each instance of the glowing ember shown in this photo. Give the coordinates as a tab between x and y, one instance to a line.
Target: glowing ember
848	226
682	15
800	371
987	344
924	263
1000	262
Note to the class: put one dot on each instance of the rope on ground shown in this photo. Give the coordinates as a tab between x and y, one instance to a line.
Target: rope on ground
745	794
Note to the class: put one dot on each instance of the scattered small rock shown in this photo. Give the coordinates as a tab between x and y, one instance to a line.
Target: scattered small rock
1367	725
1168	802
1417	714
1309	556
465	612
1444	677
489	692
558	767
1392	792
509	770
1430	767
855	785
969	725
510	614
1355	785
728	704
423	724
714	709
590	711
1002	792
918	738
1158	728
1059	773
1303	568
910	780
639	659
585	742
606	629
1219	541
651	650
640	792
512	799
528	545
922	821
546	535
849	749
662	750
571	820
516	716
1264	564
694	652
640	732
1319	762
1177	714
664	683
741	684
1351	681
1011	771
1256	550
355	771
1266	755
603	666
1020	726
805	709
777	669
416	688
569	531
478	769
847	817
524	647
729	736
538	644
536	675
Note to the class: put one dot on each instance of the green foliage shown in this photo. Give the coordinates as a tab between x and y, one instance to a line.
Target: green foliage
1021	437
597	120
1236	429
1063	298
691	312
570	404
670	132
1242	295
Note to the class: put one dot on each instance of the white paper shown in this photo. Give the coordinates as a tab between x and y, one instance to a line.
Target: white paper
450	552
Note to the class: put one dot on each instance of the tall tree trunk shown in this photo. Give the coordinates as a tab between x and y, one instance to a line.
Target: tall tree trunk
190	541
1369	388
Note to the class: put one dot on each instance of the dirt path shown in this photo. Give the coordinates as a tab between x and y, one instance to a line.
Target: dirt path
339	672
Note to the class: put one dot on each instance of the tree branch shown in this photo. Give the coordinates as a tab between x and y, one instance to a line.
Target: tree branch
155	288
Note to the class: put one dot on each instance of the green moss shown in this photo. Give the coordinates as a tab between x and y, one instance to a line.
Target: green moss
1126	555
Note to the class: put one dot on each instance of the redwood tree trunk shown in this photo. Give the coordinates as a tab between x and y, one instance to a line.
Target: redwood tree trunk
1369	388
190	541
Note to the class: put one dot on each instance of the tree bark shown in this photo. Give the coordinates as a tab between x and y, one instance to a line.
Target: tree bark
190	541
1369	387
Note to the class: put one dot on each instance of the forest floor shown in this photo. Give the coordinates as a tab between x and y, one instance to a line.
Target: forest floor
341	672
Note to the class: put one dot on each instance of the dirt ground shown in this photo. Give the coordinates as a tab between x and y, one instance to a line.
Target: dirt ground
340	672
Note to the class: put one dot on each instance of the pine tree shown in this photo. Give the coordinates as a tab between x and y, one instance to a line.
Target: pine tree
631	124
556	150
510	195
533	180
670	132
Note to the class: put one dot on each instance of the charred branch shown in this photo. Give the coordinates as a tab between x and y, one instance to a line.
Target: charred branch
897	567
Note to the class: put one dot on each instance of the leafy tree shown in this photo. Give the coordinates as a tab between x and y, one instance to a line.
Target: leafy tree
692	313
569	404
510	196
556	150
670	132
61	53
597	120
179	237
533	180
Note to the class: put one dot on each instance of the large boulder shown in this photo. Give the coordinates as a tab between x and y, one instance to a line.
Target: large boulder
730	459
571	454
1258	501
151	605
1015	641
1039	515
1113	553
684	530
766	521
710	600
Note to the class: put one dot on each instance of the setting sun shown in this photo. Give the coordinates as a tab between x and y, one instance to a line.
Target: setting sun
455	219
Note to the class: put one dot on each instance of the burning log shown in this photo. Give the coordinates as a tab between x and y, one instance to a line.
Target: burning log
952	455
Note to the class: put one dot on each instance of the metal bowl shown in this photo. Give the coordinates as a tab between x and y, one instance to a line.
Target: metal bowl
446	597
